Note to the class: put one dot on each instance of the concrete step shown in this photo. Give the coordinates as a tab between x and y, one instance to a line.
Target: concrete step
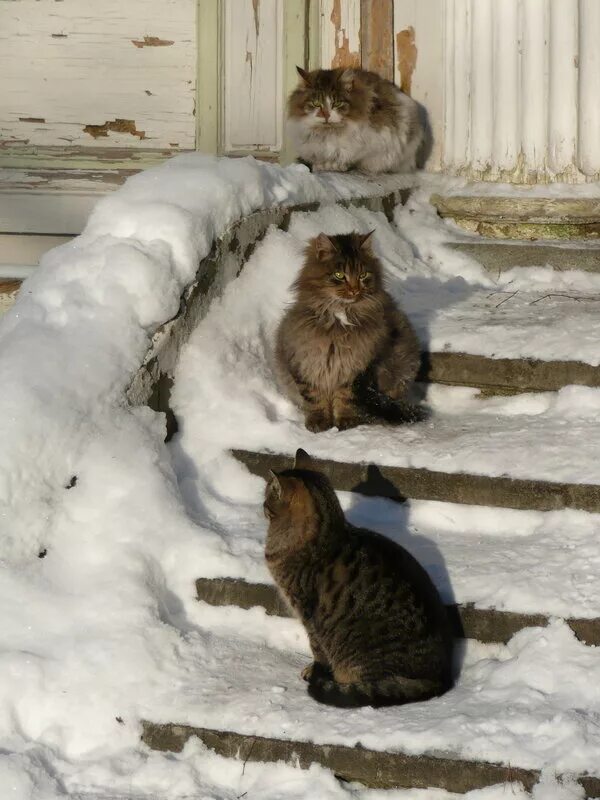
521	215
399	483
505	375
374	769
500	256
483	624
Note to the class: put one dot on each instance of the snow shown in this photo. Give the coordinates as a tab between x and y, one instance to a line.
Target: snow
104	527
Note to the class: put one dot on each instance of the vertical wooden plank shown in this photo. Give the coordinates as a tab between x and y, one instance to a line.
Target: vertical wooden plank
376	36
562	88
449	40
507	139
313	43
462	83
340	33
534	86
208	76
589	86
253	75
296	52
482	87
419	64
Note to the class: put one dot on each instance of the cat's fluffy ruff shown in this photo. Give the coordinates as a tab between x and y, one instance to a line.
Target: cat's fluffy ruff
353	119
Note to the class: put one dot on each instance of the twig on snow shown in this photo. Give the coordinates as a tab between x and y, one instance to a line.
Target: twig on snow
565	296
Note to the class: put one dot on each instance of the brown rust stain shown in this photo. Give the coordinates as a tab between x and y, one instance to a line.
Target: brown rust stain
152	41
256	9
406	52
343	57
32	119
115	125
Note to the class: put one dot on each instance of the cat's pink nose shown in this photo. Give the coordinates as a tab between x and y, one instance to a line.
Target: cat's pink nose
323	112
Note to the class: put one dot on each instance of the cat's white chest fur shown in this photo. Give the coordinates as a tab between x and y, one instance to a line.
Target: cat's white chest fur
342	317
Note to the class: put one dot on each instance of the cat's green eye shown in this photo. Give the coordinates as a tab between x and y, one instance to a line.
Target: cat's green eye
339	276
337	104
364	275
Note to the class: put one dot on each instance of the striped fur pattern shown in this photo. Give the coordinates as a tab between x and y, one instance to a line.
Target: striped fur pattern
377	626
346	354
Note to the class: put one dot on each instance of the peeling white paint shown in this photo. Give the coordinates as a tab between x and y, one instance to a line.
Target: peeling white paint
75	63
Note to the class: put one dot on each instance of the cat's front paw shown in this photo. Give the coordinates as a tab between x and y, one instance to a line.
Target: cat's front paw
317	421
307	672
347	421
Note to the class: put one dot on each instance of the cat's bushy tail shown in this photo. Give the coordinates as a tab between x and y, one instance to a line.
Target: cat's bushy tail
378	407
393	691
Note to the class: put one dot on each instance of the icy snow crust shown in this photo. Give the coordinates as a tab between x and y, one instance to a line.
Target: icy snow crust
104	631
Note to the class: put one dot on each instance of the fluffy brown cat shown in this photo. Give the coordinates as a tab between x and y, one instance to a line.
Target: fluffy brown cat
377	626
345	353
340	119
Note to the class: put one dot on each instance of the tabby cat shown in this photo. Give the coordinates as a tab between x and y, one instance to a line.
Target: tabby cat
345	353
340	119
377	626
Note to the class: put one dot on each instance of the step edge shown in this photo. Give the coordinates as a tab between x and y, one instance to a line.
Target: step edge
229	592
425	484
428	770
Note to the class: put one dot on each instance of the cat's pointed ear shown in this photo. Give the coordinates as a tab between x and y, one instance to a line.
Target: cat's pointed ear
302	460
365	240
324	247
274	484
347	78
303	74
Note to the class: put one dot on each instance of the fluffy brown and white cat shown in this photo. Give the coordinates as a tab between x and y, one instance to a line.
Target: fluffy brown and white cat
340	119
345	352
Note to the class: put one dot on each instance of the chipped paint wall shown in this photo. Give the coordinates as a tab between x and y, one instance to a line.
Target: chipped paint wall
98	73
340	33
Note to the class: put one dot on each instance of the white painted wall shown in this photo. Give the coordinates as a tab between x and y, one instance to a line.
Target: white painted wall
522	81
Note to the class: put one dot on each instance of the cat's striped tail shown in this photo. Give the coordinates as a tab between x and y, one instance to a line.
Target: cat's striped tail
392	691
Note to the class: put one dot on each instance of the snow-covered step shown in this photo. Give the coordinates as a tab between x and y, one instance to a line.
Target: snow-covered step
512	713
500	256
379	478
371	768
505	375
469	622
522	216
377	770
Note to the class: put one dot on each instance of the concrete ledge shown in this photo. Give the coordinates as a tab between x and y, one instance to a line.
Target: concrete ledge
151	384
522	217
483	624
399	483
378	770
498	257
513	208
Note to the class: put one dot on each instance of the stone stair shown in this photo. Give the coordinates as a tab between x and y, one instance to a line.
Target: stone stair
501	219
